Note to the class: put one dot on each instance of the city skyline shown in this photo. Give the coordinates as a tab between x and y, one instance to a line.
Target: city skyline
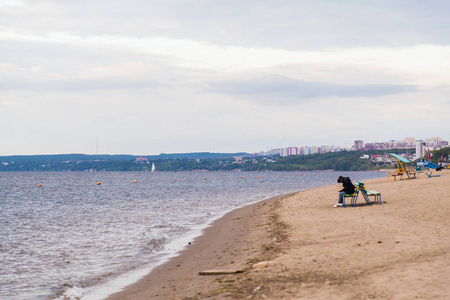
140	77
408	142
427	144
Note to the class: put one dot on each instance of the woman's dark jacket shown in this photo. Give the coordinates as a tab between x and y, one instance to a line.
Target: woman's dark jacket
349	188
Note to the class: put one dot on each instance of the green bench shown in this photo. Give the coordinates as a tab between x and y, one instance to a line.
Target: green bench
353	197
367	194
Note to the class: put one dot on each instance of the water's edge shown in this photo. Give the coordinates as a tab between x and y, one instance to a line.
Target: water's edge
172	249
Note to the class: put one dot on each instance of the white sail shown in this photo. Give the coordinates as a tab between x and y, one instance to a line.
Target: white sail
153	167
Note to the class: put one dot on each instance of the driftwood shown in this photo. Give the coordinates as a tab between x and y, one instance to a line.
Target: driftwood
219	272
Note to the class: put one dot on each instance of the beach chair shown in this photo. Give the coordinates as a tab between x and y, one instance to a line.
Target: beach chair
367	194
353	197
395	174
431	176
404	168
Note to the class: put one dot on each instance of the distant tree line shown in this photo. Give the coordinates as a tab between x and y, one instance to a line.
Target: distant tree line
338	161
440	155
109	157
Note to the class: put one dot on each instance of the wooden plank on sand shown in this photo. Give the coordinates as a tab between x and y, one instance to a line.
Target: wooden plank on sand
219	272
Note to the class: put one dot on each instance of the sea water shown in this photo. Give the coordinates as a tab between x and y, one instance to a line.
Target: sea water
72	237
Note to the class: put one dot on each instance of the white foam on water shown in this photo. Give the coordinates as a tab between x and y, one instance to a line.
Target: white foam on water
171	250
73	293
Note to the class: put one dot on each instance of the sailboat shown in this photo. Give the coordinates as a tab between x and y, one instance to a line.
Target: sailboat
153	167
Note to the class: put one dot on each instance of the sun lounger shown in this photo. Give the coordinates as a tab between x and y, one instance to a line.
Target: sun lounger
430	176
367	194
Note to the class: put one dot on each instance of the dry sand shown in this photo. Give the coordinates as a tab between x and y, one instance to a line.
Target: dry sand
397	250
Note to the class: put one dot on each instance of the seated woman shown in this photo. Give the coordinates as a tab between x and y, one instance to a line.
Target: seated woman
349	188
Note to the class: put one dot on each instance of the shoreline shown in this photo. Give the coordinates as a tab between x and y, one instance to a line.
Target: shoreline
122	281
395	250
175	249
204	253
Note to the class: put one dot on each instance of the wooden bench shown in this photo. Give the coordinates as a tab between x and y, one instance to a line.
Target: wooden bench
395	174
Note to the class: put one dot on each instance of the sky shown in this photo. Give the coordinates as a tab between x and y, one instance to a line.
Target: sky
170	76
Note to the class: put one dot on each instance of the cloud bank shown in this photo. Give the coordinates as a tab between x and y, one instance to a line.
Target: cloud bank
282	90
180	76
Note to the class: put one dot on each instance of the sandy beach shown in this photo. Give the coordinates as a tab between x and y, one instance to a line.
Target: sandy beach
300	247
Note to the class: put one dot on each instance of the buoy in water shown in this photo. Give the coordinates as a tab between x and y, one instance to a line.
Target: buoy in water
215	177
134	181
204	178
40	184
242	176
175	179
98	183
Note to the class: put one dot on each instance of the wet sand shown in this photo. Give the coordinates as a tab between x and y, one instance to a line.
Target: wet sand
300	247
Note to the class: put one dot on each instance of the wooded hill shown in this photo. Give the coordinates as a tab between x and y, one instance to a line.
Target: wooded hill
440	155
339	161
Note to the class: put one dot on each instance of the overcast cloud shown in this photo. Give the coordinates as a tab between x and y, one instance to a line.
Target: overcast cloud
180	76
282	90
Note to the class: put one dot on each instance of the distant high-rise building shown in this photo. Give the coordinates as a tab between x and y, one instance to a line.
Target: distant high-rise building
420	149
410	141
324	149
289	151
369	147
358	144
306	150
292	151
434	141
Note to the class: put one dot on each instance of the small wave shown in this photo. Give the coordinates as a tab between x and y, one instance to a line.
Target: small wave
159	226
72	293
156	243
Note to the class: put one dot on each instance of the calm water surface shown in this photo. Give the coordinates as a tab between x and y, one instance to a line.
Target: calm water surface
72	236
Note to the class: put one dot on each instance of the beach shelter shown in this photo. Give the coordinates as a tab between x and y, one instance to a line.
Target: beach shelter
404	169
